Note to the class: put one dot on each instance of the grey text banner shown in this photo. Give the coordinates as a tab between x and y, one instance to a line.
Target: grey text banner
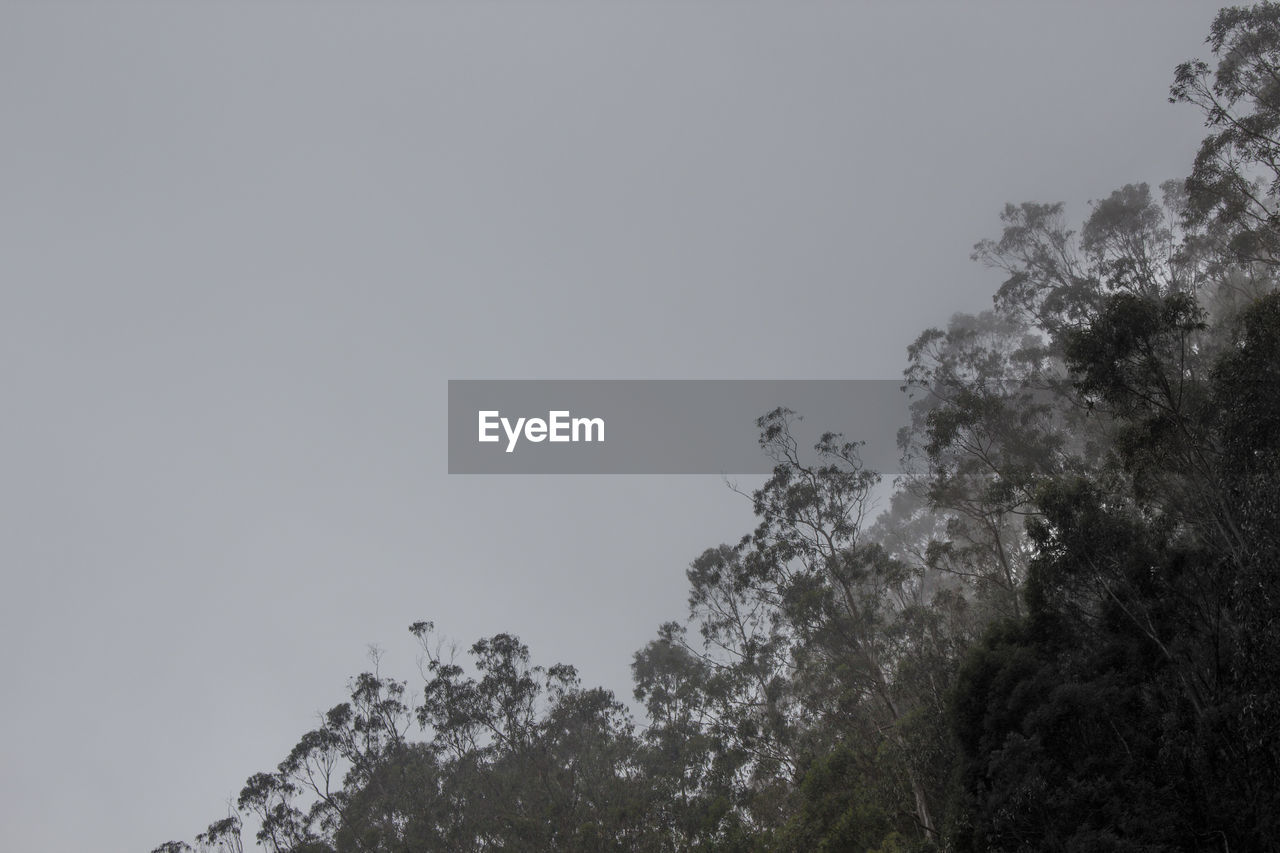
660	426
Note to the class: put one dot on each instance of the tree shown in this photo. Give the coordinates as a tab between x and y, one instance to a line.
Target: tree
1120	713
529	760
1235	182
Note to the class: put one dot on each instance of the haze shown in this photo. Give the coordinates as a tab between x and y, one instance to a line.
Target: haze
245	245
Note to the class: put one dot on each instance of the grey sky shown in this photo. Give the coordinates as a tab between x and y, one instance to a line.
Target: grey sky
244	245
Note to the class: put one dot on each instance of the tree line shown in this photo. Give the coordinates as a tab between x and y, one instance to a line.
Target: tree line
1062	634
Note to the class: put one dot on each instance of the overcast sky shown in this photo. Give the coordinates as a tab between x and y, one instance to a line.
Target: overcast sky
244	245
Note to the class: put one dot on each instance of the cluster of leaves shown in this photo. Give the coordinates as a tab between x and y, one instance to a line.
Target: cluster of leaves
1060	635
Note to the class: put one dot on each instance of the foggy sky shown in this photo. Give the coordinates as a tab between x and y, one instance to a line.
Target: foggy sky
243	246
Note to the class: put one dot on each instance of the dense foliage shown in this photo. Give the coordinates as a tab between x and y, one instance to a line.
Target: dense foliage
1061	635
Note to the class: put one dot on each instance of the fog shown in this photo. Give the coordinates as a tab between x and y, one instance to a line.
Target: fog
245	246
